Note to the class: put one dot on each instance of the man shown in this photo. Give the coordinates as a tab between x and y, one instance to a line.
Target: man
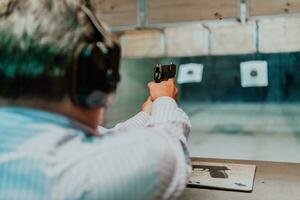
57	67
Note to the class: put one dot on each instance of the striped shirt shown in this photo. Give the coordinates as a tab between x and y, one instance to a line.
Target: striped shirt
45	156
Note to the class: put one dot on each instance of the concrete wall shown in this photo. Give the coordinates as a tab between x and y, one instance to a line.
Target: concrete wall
139	44
233	38
279	35
177	38
274	35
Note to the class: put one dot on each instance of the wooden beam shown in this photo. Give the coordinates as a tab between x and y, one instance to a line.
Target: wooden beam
161	11
116	12
273	7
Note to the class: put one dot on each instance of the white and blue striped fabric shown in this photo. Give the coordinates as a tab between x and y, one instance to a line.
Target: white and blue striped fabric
46	156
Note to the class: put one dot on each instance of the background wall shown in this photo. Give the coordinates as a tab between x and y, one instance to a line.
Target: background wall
228	121
221	82
132	90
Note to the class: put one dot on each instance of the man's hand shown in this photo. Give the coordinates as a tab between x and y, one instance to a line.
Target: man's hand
162	89
146	107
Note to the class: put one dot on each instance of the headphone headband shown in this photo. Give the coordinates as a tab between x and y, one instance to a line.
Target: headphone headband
97	24
96	70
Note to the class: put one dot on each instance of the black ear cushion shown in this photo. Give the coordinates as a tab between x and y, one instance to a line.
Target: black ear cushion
95	74
91	78
114	57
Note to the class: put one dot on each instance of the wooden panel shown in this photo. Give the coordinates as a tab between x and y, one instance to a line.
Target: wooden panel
273	7
116	12
190	10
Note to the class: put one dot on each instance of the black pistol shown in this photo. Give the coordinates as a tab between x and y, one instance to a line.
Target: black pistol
164	72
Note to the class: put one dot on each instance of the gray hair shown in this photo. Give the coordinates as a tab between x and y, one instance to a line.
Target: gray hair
38	40
46	22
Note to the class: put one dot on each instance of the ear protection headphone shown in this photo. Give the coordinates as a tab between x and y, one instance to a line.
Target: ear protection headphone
95	68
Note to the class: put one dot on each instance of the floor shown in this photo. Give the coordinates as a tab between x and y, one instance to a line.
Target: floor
245	131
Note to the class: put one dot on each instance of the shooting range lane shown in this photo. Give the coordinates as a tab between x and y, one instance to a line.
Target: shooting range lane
260	131
253	131
273	181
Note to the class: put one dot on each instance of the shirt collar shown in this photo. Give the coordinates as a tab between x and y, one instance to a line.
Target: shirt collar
51	117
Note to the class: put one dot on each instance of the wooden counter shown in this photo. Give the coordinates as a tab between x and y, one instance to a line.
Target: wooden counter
273	181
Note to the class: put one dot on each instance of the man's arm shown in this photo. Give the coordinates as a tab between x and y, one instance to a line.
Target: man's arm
149	162
139	120
171	121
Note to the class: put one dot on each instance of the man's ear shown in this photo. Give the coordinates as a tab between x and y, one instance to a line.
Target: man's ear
101	116
111	99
